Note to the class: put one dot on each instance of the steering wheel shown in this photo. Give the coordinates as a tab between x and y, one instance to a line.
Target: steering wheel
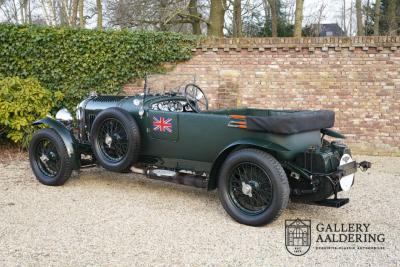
196	98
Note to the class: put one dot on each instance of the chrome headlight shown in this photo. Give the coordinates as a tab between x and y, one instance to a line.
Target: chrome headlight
347	181
64	116
79	110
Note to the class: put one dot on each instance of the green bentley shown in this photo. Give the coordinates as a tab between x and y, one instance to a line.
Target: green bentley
257	158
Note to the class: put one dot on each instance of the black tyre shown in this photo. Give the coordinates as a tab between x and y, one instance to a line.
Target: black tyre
115	139
253	187
49	157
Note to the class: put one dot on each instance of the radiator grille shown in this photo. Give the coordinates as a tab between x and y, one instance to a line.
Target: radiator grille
107	98
91	118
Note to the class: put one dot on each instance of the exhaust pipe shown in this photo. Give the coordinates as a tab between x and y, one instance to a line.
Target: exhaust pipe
173	177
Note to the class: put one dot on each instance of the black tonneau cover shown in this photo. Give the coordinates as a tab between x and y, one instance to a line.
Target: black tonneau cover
291	121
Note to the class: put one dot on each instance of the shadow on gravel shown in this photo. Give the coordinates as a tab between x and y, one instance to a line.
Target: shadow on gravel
99	177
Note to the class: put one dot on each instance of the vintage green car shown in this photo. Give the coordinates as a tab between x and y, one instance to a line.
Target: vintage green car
257	158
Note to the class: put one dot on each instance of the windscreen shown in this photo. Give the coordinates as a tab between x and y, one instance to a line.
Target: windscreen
167	83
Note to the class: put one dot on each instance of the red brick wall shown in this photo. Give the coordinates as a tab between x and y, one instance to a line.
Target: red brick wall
359	78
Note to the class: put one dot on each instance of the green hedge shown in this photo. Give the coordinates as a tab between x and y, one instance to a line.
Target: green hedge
76	61
22	101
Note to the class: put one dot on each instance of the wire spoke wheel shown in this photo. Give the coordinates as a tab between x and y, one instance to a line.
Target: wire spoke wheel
47	157
253	186
113	140
250	188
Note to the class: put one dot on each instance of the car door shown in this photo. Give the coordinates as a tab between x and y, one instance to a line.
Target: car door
163	125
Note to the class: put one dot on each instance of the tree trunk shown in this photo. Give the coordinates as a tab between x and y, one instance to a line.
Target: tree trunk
21	11
163	15
216	21
63	13
266	9
344	17
360	30
351	19
25	11
74	14
298	18
377	16
237	18
46	13
196	29
81	15
29	12
53	14
274	17
99	14
392	17
368	17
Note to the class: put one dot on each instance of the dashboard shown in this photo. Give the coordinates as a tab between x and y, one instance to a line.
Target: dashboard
172	105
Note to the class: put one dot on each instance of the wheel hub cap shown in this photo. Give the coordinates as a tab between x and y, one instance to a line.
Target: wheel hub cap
108	140
47	158
44	158
246	189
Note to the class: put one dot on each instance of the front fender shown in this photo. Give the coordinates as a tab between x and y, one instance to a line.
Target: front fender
70	142
244	143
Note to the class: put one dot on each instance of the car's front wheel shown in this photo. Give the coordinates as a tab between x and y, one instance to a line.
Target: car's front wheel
49	158
115	139
253	187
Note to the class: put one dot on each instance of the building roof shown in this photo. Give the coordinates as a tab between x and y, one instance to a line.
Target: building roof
331	29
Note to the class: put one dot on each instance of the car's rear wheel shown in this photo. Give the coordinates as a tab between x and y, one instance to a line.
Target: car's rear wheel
115	139
253	187
49	158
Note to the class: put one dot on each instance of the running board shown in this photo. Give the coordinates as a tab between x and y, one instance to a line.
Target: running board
332	202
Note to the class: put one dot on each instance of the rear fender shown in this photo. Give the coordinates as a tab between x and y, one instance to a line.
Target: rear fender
239	144
332	133
70	142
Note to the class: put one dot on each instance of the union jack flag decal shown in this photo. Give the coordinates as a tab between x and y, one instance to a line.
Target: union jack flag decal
161	124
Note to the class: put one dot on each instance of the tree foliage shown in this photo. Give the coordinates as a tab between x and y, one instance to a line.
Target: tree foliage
258	22
159	15
76	61
382	19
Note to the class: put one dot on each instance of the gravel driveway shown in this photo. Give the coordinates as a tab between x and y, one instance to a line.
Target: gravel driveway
101	218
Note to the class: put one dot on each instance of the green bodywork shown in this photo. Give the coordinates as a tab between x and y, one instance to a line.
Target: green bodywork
200	137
